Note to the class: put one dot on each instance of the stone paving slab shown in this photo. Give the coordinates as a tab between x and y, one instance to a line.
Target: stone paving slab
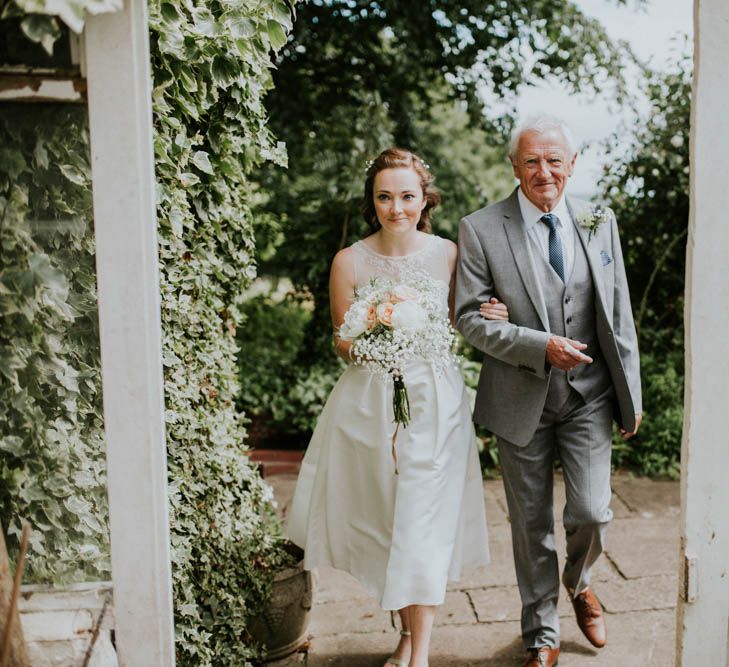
646	593
349	616
646	639
334	586
648	497
641	547
478	624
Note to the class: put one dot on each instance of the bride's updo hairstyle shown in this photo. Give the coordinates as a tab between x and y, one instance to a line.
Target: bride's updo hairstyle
399	158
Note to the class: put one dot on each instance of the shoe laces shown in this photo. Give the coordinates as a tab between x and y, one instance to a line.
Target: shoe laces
587	608
541	657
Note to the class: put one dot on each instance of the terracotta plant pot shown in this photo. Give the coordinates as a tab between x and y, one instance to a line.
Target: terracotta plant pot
282	625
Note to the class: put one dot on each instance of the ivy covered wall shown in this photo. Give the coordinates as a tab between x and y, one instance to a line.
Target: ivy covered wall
211	67
52	467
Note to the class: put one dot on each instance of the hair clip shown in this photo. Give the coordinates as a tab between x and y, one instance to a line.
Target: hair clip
368	165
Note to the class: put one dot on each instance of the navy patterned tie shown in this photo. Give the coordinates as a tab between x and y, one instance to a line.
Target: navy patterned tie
556	259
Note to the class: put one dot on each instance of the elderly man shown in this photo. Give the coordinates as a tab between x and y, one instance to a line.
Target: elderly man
555	374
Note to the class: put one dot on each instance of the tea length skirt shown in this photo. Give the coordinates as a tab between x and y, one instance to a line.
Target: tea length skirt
402	536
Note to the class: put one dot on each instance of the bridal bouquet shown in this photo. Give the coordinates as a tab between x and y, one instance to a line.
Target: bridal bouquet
390	323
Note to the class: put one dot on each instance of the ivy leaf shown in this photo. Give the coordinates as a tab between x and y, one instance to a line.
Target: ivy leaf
45	273
224	72
176	221
240	27
13	162
204	22
40	154
12	444
187	179
170	14
275	34
73	174
282	14
202	161
43	30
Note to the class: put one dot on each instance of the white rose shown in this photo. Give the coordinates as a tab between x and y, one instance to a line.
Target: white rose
409	315
355	322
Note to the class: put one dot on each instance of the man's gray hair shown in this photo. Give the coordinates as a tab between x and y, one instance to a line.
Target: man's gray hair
541	123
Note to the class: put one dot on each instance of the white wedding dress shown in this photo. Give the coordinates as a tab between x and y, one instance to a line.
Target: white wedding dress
402	536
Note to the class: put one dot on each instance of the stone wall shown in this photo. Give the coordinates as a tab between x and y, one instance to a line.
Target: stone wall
58	623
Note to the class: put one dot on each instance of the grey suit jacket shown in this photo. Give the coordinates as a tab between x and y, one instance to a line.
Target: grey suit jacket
495	259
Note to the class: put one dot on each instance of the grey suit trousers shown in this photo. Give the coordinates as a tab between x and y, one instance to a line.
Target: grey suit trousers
580	433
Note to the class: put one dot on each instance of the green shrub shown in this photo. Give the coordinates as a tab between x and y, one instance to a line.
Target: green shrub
282	397
656	449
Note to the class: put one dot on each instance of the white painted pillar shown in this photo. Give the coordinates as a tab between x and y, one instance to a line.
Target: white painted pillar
703	609
120	118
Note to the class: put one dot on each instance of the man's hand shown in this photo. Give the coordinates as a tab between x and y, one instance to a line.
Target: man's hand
638	420
564	353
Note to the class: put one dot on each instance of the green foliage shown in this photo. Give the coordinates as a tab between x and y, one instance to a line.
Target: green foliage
656	449
647	185
282	399
41	18
440	80
648	188
52	459
211	66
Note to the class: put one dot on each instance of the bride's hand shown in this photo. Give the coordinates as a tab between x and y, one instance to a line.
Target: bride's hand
494	310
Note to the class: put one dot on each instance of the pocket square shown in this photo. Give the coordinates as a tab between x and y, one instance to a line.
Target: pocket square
606	259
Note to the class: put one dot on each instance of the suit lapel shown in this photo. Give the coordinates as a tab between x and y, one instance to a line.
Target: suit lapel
593	257
519	242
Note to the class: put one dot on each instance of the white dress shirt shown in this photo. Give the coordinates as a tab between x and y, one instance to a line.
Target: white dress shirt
539	231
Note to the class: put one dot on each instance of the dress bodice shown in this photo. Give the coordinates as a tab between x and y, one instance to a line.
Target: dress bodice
431	258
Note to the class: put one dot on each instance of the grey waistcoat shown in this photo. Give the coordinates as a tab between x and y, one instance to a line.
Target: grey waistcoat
571	313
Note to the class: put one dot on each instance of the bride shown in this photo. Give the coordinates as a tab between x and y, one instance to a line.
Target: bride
404	535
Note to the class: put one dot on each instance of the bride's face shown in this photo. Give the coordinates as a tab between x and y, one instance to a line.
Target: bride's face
399	199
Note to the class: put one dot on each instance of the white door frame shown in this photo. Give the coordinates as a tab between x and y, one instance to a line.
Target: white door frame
702	623
122	156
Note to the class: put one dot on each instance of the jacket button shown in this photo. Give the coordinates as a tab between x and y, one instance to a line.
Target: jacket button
569	319
572	378
568	299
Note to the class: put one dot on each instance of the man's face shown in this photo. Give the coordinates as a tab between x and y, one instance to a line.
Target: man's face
543	164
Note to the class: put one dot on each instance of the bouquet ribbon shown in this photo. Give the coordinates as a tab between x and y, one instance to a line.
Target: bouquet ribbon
401	408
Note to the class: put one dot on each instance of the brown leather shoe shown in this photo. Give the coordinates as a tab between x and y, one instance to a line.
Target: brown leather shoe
590	617
544	656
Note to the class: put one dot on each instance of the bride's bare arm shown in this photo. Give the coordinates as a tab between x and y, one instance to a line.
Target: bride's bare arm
452	257
341	295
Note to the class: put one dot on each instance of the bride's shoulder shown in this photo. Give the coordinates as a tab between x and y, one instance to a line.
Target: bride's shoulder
343	257
450	248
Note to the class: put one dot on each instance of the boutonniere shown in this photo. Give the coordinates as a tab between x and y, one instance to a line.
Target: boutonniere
591	217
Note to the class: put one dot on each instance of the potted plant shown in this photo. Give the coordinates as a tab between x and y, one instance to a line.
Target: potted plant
281	626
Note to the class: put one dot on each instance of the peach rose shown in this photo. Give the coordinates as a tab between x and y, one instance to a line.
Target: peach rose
384	313
371	316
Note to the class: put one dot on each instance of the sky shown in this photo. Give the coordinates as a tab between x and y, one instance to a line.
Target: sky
651	32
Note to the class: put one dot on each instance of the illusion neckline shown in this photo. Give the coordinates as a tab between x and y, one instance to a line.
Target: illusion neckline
426	244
